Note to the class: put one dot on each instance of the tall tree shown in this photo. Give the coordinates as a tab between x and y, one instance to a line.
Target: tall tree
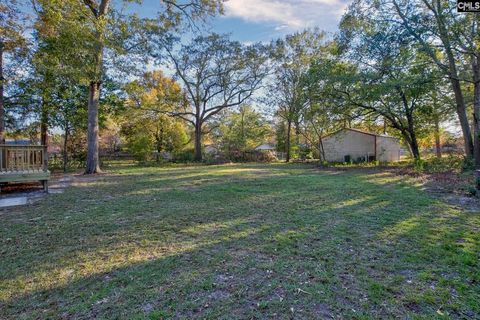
174	12
242	130
216	74
457	38
450	40
103	27
326	110
293	56
440	109
145	117
391	78
13	44
99	11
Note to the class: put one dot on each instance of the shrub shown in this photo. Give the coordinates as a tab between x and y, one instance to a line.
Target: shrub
184	156
217	159
266	156
472	191
445	164
251	156
140	146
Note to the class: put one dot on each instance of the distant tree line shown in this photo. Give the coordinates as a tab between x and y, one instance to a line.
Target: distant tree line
74	70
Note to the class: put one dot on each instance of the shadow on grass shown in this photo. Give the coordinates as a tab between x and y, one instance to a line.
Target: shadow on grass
239	242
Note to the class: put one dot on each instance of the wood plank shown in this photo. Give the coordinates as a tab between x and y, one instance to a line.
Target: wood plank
24	176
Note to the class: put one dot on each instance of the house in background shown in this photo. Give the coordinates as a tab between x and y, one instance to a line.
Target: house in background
211	149
266	147
347	145
270	147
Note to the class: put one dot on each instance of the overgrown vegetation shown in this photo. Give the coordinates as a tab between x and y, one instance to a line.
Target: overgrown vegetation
451	163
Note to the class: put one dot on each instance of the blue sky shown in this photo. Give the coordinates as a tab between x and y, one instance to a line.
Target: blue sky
260	20
264	20
251	21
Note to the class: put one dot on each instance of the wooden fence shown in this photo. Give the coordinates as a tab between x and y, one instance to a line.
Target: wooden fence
16	158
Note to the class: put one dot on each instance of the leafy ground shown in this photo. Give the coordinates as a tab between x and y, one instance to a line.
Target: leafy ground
240	241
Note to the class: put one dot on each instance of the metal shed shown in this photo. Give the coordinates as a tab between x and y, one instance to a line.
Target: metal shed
348	144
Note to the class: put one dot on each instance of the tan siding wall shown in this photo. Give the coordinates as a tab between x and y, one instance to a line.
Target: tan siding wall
356	144
388	149
350	143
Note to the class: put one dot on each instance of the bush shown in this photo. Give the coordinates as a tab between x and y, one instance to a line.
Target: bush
471	190
268	156
251	156
217	159
305	154
445	164
140	146
184	156
56	164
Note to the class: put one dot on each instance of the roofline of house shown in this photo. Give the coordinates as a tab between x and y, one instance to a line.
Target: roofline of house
267	143
359	131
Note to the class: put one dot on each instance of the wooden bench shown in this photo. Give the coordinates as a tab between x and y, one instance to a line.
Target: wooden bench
24	163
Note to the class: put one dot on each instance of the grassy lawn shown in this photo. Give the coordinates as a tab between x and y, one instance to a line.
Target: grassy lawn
240	241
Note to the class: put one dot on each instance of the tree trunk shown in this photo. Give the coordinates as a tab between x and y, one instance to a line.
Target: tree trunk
44	127
455	82
414	147
198	141
410	133
287	142
2	106
159	149
412	144
476	110
65	152
438	147
159	143
462	117
244	143
297	131
321	149
93	163
44	134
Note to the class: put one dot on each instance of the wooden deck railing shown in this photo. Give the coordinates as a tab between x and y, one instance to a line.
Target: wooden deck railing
17	158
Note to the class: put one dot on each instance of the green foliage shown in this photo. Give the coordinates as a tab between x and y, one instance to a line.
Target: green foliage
145	116
141	146
281	135
217	74
451	163
472	190
56	164
242	130
184	156
287	92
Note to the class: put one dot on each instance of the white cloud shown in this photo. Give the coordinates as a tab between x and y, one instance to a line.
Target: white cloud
281	27
289	14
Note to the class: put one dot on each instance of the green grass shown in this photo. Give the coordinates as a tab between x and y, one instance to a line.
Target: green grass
240	241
